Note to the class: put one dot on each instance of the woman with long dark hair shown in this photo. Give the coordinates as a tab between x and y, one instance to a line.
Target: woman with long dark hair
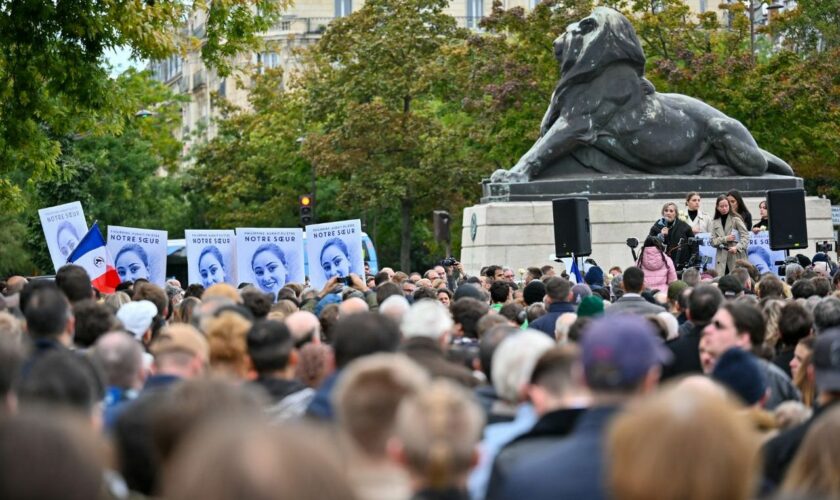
736	204
729	236
658	267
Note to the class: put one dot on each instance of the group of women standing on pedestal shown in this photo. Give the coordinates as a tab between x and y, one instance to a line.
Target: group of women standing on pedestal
667	248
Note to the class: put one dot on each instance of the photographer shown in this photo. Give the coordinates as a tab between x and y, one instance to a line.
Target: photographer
674	234
454	271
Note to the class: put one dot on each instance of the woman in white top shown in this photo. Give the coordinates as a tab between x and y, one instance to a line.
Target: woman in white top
700	221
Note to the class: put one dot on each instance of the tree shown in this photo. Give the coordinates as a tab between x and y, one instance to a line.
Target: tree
130	179
380	130
53	80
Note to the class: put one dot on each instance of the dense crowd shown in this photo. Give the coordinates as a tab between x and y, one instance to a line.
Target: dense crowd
438	385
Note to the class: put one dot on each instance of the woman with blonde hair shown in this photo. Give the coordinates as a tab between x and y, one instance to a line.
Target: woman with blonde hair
647	443
436	439
814	471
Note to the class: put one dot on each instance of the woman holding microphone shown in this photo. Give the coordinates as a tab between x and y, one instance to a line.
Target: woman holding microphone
674	234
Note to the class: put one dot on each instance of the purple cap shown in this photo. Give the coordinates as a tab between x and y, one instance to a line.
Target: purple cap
827	360
618	351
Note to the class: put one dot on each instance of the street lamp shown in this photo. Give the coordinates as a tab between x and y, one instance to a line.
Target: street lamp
752	10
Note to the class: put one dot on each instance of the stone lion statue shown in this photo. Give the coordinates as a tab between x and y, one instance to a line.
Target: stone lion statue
605	117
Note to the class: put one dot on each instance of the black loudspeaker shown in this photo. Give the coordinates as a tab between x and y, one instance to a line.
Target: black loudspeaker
571	227
786	217
442	221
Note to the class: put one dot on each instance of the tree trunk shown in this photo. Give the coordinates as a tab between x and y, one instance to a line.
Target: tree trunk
405	235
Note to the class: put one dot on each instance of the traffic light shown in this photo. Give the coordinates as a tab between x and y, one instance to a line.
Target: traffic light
442	222
307	209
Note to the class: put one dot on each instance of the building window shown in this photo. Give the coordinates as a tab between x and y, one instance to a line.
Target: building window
343	8
475	9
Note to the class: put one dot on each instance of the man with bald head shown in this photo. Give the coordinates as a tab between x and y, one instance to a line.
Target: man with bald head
121	358
304	327
353	305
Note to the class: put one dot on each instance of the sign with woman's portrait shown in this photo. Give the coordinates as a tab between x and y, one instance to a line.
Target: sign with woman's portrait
270	258
64	227
334	249
138	253
211	256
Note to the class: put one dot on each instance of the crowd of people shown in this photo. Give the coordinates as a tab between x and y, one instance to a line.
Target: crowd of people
438	385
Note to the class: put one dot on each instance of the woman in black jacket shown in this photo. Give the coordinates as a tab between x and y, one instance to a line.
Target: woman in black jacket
674	233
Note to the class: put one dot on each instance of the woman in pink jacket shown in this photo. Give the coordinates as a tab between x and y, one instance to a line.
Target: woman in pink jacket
658	267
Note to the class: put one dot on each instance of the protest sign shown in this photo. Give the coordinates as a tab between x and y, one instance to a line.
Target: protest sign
758	253
138	253
64	226
270	258
211	256
334	249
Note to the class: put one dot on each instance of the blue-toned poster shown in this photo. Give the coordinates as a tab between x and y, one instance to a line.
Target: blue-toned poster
758	253
64	226
334	249
138	253
211	256
270	258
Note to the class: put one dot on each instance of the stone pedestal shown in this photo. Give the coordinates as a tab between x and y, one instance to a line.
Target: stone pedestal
521	234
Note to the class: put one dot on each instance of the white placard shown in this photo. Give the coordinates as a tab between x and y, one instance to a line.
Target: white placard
334	249
64	226
270	258
138	253
211	256
758	253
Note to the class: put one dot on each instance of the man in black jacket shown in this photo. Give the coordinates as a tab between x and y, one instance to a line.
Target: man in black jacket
780	451
559	397
702	306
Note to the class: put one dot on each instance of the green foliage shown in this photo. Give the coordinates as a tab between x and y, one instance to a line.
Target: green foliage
130	179
53	79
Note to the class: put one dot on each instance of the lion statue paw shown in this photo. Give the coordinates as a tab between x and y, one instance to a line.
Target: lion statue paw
503	176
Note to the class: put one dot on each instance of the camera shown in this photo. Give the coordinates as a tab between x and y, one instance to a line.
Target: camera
346	280
448	262
824	246
632	242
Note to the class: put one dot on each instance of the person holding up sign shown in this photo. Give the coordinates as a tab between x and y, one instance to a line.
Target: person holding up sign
729	236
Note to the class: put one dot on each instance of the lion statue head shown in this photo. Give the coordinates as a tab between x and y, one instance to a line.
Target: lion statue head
595	42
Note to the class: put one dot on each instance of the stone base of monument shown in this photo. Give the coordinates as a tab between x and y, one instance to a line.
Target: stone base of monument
520	233
621	187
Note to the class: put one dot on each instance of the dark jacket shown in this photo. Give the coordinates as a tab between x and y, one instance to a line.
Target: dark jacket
783	358
547	321
547	432
320	407
686	350
427	353
779	451
676	242
633	305
447	494
572	468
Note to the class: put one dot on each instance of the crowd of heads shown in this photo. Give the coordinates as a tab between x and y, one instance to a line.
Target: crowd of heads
502	384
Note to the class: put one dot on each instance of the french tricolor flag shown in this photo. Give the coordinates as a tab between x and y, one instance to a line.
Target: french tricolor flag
93	256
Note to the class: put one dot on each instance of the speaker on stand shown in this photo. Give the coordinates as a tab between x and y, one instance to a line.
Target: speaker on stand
572	235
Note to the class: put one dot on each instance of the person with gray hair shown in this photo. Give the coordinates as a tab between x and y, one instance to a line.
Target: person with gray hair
394	307
513	362
691	276
792	273
121	358
826	314
426	329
